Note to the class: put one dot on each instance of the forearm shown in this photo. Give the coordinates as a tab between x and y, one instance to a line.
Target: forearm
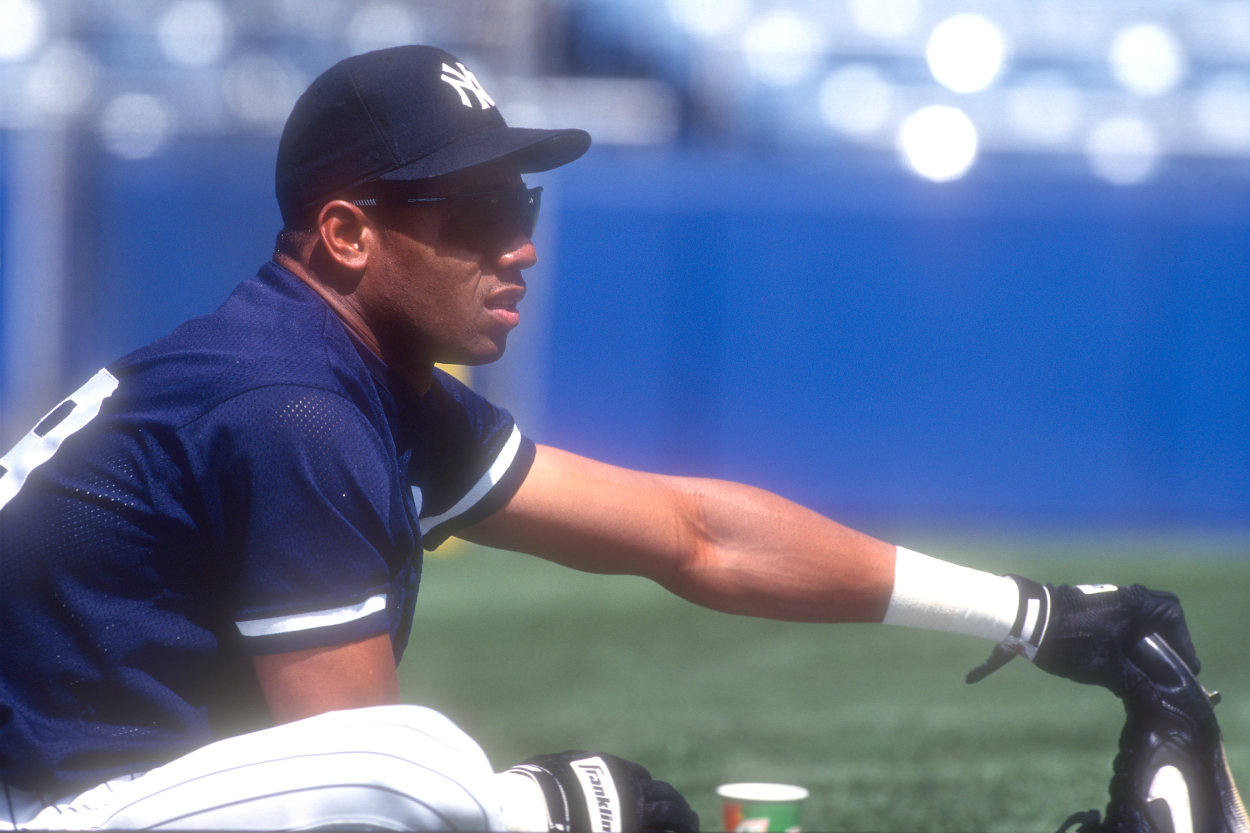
723	545
756	553
737	549
769	557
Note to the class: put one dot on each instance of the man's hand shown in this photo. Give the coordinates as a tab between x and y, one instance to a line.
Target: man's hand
1093	630
1084	633
592	791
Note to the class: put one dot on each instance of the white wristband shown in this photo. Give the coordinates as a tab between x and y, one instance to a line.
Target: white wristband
939	596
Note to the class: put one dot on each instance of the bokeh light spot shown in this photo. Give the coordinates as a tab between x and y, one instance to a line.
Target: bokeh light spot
1123	150
855	100
193	32
381	26
709	18
1147	59
886	19
62	79
966	53
938	143
261	90
1044	109
781	48
1222	109
23	26
135	125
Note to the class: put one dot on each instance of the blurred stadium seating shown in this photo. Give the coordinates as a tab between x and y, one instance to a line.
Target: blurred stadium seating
956	262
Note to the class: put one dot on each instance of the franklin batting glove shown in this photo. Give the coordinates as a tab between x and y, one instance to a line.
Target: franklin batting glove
591	792
1084	633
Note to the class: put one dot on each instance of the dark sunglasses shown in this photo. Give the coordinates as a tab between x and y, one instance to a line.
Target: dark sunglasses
488	221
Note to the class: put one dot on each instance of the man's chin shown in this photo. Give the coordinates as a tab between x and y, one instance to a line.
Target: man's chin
477	358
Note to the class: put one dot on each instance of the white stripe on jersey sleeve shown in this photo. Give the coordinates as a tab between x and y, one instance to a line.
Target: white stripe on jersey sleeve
315	619
493	475
34	450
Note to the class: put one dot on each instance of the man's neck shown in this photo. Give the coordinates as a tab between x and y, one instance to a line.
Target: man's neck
418	376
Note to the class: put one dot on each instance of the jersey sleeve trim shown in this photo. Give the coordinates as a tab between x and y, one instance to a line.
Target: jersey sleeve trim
37	447
500	481
314	619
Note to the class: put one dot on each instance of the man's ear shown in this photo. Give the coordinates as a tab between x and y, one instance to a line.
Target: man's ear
347	235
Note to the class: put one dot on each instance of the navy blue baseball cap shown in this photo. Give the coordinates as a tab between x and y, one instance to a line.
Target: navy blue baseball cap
401	114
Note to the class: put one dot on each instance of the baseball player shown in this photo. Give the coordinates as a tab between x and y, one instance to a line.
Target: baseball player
210	552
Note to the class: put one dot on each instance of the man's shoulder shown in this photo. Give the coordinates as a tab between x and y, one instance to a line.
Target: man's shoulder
271	331
270	316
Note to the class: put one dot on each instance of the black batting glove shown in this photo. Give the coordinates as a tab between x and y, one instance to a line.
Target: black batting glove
589	792
1085	633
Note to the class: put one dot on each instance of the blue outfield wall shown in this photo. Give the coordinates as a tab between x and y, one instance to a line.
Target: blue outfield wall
1019	348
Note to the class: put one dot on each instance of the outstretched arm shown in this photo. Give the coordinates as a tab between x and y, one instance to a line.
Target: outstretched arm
723	545
742	550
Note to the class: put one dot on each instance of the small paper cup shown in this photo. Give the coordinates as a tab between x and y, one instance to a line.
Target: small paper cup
762	808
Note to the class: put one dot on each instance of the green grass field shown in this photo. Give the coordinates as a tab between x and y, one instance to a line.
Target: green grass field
876	721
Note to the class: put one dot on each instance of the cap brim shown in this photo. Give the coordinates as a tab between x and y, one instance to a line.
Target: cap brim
531	150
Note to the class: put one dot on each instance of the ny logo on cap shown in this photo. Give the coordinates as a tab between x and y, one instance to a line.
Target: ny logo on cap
461	80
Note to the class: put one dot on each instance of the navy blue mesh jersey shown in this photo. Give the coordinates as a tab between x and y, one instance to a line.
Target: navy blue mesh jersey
252	483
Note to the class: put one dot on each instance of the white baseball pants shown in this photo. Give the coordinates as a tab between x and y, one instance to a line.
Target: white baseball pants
386	767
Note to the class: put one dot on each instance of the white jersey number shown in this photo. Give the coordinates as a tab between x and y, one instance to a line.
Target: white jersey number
42	442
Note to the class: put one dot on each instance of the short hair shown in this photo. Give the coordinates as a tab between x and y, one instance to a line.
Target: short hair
292	241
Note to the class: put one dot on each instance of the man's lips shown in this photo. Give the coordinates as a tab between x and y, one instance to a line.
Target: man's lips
503	305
